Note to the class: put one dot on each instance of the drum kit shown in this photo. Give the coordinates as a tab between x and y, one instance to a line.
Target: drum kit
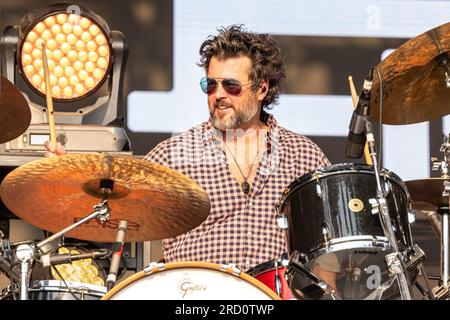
347	226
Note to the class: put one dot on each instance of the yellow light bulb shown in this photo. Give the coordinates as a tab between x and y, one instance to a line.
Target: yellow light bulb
103	51
98	74
38	43
83	75
79	88
62	82
89	82
80	45
65	47
83	56
67	27
56	91
85	23
69	71
72	55
89	66
38	64
60	38
41	74
74	18
27	47
56	29
73	80
39	27
48	53
86	36
51	64
27	59
46	34
36	53
29	70
36	80
78	65
91	45
61	18
51	44
68	92
57	54
49	21
64	62
71	39
100	39
94	30
92	56
59	71
32	36
77	30
53	79
102	63
42	87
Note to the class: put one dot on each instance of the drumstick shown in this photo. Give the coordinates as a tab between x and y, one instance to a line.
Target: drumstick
355	103
48	95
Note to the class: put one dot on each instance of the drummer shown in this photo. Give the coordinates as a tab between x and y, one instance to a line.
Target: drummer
241	157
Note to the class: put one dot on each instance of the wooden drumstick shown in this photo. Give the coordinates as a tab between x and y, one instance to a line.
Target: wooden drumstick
48	95
355	103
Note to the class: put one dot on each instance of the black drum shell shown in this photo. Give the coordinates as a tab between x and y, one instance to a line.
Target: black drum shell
322	199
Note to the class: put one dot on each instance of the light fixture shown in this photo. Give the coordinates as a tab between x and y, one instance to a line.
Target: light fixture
86	63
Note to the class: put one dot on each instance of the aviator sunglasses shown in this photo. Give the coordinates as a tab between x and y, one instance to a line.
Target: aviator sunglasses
232	86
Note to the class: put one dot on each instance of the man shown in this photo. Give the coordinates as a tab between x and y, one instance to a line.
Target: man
241	157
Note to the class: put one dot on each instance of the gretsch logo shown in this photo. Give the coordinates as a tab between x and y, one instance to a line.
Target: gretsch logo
188	287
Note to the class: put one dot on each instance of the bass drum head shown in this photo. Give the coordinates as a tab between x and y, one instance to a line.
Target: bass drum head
190	281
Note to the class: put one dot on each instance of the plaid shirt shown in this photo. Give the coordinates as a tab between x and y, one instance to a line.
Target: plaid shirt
241	228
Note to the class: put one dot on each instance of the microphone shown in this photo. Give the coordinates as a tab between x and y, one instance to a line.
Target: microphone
118	249
48	260
356	136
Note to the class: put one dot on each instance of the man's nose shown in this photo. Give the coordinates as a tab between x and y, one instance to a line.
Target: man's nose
220	91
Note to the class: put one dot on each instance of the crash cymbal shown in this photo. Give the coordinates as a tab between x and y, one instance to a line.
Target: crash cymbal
426	194
53	193
15	114
413	80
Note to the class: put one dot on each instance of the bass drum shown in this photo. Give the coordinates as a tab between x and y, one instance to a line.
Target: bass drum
333	234
190	281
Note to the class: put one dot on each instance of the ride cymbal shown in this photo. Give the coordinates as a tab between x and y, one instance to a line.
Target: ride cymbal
15	114
426	194
53	193
414	80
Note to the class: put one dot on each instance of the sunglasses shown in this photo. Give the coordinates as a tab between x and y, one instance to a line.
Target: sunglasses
232	86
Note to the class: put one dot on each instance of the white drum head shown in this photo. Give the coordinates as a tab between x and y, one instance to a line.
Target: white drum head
191	281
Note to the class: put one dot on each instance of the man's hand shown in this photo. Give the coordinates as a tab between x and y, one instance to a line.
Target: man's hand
54	150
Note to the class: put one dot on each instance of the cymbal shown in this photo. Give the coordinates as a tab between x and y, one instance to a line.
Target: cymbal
15	114
426	194
414	88
53	193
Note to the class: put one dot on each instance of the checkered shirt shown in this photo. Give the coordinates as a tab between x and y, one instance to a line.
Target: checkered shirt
241	228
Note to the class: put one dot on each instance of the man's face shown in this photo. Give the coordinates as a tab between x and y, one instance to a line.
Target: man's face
227	110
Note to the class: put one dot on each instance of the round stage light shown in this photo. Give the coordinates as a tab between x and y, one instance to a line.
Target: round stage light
78	50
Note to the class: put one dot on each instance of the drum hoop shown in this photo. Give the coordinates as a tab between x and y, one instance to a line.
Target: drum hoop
265	267
292	187
191	264
352	242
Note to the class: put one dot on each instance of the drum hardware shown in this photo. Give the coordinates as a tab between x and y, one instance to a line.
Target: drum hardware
117	254
379	205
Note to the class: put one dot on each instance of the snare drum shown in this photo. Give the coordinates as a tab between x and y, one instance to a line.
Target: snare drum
58	290
272	274
191	281
332	230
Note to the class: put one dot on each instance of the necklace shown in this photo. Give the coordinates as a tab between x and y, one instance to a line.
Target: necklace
244	185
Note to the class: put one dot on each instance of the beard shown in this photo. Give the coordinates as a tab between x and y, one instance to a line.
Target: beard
238	116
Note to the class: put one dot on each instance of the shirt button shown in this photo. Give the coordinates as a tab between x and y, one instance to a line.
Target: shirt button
249	233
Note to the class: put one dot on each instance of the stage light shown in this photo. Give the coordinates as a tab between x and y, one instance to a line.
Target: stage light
86	63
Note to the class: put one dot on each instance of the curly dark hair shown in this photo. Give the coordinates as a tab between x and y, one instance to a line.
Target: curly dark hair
265	53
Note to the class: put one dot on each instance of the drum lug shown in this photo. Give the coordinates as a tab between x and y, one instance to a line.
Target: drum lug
411	216
326	233
282	222
152	265
375	206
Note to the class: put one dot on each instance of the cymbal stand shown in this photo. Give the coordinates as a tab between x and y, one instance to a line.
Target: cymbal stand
442	291
26	252
395	260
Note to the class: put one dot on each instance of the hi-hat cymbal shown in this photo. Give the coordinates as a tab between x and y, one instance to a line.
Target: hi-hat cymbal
15	114
53	193
426	194
414	86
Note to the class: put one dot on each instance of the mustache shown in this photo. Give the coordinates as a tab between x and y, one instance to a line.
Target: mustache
222	104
